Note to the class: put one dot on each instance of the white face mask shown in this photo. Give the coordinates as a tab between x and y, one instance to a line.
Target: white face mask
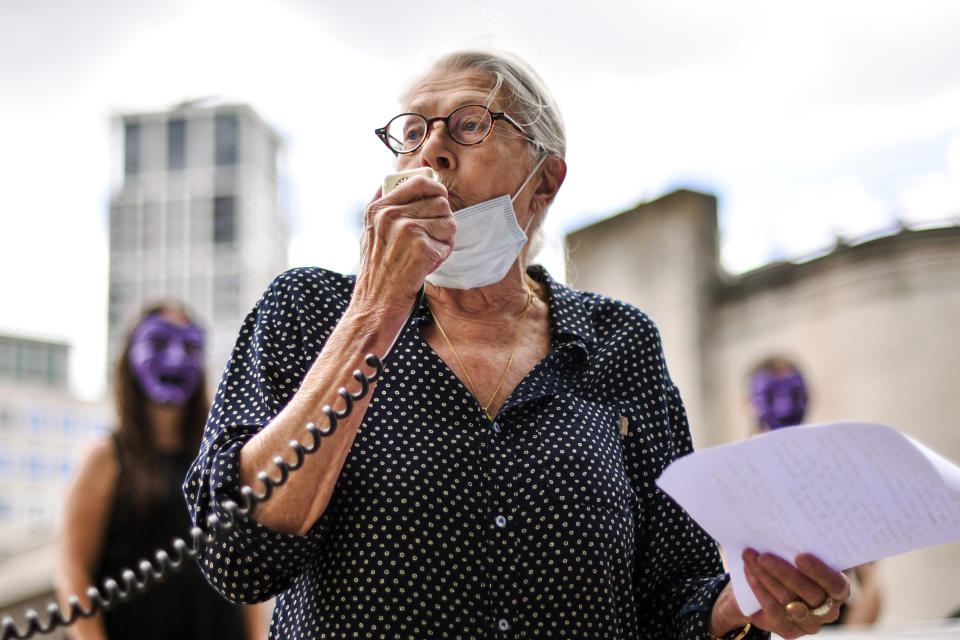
488	241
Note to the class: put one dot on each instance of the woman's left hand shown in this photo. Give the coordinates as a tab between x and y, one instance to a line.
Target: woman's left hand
795	600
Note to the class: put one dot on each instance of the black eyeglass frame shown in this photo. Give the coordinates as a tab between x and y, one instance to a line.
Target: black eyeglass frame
494	116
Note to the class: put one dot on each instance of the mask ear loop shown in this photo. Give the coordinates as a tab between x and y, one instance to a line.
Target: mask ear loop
524	185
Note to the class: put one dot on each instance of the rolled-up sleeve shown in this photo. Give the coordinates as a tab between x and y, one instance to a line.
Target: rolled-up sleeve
250	562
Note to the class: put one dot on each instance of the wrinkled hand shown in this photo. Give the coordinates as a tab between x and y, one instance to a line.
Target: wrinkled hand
777	583
407	234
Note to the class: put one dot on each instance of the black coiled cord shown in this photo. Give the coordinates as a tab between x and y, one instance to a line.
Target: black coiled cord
163	563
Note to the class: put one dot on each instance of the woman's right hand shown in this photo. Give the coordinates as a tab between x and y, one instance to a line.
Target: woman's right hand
407	234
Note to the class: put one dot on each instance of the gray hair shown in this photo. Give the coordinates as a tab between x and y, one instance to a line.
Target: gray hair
521	91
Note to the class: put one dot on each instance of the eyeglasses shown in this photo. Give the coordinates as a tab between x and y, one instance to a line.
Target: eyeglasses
466	125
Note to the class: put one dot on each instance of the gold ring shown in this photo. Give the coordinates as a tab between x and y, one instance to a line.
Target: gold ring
823	609
796	610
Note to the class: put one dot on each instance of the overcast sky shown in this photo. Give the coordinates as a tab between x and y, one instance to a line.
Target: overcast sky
808	121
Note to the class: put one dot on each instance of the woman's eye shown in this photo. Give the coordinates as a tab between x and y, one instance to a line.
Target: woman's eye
412	135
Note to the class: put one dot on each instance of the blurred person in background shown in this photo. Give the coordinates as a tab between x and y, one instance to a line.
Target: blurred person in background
778	399
125	500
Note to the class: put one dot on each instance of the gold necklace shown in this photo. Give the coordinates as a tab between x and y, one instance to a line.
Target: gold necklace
513	352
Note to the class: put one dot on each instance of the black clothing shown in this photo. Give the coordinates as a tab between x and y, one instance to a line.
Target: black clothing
183	606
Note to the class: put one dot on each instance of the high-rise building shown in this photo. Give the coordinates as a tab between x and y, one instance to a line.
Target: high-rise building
196	219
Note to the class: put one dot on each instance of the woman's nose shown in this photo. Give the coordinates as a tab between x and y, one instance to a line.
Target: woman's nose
437	149
174	353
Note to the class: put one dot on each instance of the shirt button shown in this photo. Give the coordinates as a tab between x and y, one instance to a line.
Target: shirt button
496	427
500	521
503	625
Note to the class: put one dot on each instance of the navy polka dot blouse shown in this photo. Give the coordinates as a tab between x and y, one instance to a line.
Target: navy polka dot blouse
544	522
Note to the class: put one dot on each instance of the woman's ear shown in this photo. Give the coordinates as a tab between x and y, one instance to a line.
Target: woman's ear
552	172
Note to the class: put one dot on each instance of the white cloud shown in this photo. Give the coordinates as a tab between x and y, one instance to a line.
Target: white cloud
931	198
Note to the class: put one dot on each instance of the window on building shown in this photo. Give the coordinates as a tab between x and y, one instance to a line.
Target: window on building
176	216
56	367
199	221
116	226
131	148
35	466
33	361
19	362
123	227
177	288
152	290
37	421
6	359
69	425
226	296
120	302
226	138
152	225
224	219
176	144
99	428
200	294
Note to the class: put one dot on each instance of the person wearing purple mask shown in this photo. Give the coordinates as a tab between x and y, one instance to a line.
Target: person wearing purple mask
778	394
125	500
778	399
167	359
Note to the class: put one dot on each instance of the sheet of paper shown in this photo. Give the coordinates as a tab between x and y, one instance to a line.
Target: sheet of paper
847	492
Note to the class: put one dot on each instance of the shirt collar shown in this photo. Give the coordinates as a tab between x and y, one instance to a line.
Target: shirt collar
569	316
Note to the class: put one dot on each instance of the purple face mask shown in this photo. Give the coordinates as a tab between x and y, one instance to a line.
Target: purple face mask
167	359
779	399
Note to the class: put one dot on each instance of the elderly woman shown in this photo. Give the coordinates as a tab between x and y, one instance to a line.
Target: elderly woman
499	480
